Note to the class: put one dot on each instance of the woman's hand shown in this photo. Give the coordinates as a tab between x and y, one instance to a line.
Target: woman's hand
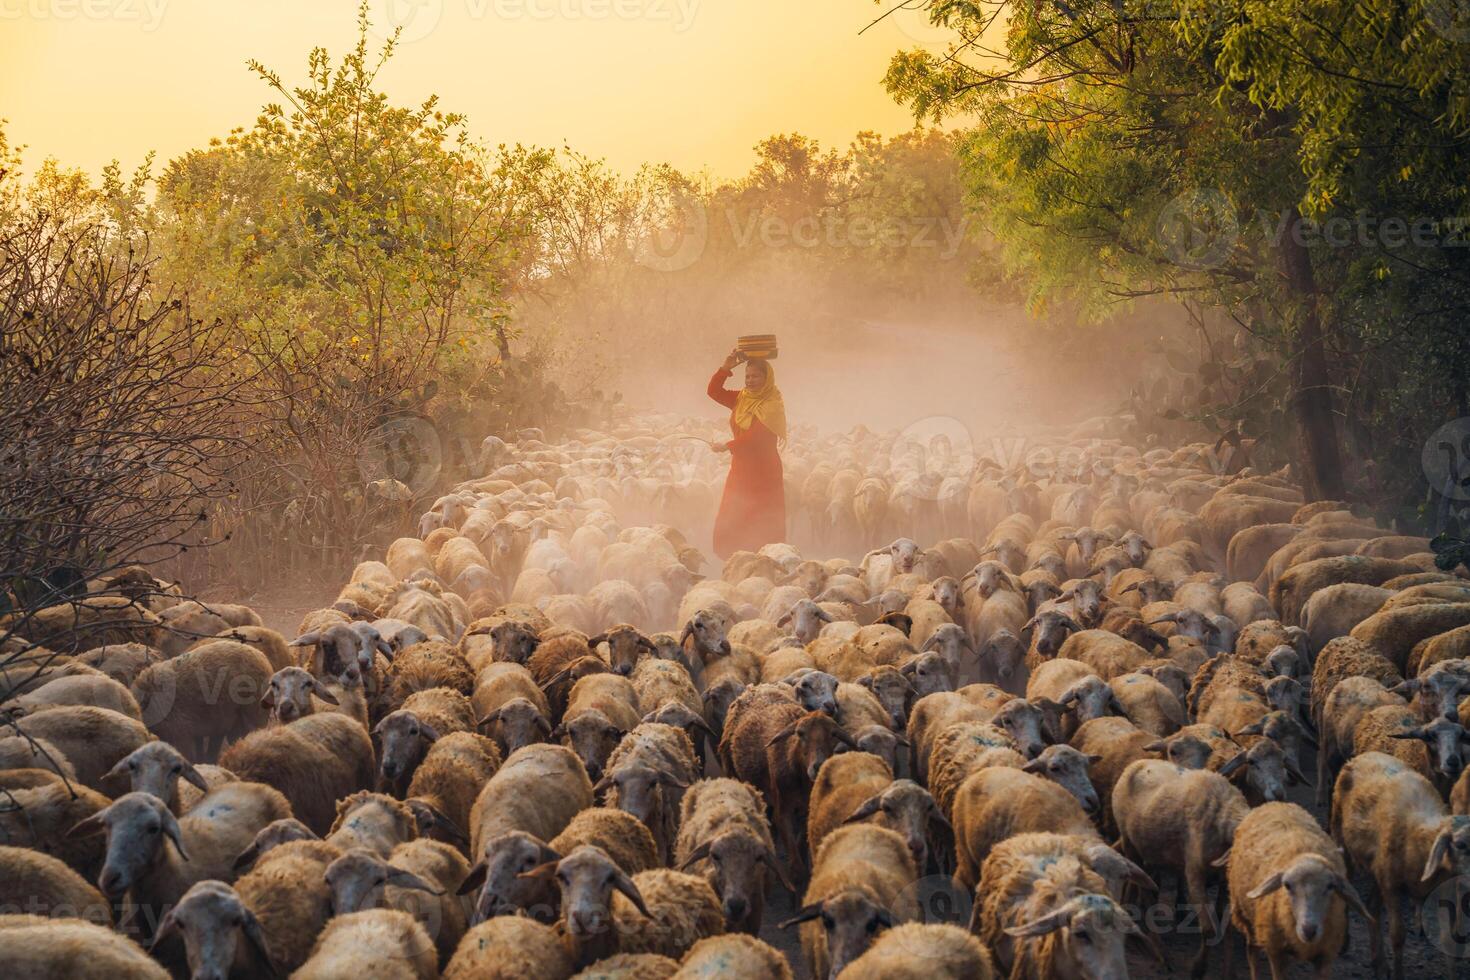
720	447
732	359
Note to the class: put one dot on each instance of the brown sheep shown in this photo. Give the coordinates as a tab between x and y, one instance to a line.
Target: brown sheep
510	948
862	881
41	884
315	761
771	743
38	947
447	781
381	943
1289	890
998	802
725	838
914	951
538	790
405	735
92	740
205	697
733	956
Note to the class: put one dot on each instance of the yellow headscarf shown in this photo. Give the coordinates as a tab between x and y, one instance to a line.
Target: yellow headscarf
764	403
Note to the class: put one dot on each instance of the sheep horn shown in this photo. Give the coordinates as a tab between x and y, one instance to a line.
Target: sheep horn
806	914
698	854
625	885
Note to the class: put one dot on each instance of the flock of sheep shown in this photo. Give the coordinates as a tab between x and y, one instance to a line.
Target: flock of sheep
535	741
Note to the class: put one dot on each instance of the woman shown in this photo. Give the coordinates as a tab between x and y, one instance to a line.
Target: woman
753	511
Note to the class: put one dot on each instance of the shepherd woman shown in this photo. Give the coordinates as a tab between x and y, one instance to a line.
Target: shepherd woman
753	510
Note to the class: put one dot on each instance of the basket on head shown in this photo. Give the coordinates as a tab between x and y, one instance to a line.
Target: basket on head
760	346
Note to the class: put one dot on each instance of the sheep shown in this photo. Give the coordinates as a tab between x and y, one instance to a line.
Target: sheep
205	696
1351	699
844	783
1288	888
212	919
91	740
372	822
123	662
862	880
996	803
601	709
892	690
914	951
1296	586
930	716
203	843
510	948
378	943
510	705
1148	703
37	883
41	816
315	761
626	647
620	835
908	809
446	782
1393	824
733	956
1435	747
1181	820
1347	657
724	837
20	753
647	775
965	748
36	947
658	911
157	768
405	735
630	966
537	790
360	880
1393	632
1332	612
295	693
77	689
285	891
1108	654
1046	912
428	665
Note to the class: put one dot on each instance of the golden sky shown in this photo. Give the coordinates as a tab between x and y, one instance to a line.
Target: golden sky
695	83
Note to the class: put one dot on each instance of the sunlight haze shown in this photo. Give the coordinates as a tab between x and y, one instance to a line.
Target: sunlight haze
695	83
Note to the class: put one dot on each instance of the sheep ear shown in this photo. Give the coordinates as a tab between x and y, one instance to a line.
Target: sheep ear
193	778
541	871
784	620
1413	734
769	858
866	809
473	880
95	824
1266	887
321	691
784	733
429	732
806	914
866	681
625	885
171	829
1157	745
930	643
1350	895
1059	919
1222	861
540	722
687	632
120	770
1295	772
246	858
900	741
166	928
1237	761
306	639
595	641
489	719
268	699
1033	765
400	878
1437	854
250	926
698	854
824	615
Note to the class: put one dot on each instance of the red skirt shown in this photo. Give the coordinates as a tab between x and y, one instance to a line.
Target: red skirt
753	508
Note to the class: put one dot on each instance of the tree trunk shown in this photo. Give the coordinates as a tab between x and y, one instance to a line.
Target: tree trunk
1321	460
